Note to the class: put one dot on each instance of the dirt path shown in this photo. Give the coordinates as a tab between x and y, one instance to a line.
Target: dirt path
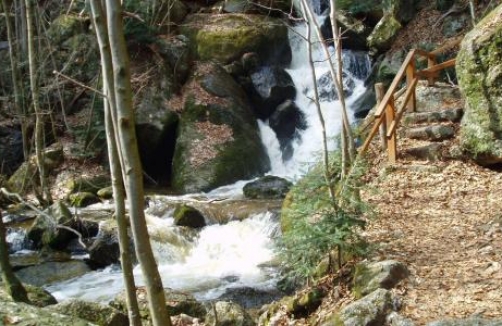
445	221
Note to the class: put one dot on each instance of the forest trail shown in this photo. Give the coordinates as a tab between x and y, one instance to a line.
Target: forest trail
442	216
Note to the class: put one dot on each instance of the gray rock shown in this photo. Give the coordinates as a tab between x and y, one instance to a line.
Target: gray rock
268	187
368	311
223	313
473	321
218	141
93	312
369	277
51	272
432	133
395	319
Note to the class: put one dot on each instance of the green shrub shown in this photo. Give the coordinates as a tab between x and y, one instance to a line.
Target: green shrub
314	226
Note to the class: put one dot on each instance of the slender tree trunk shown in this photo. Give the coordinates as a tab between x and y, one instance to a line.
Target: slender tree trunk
320	115
16	78
339	83
115	162
40	117
131	165
11	282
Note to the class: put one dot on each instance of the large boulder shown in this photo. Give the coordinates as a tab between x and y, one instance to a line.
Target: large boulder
189	216
384	33
273	86
11	149
286	121
226	38
51	272
218	140
105	249
479	72
378	275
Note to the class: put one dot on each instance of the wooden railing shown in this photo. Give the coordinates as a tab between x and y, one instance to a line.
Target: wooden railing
387	116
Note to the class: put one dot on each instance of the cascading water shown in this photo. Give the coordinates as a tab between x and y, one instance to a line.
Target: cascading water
236	254
308	145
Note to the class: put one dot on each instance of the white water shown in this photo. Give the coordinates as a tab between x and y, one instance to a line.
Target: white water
231	255
220	257
308	147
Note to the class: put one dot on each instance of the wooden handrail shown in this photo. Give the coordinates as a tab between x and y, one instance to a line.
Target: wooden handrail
385	111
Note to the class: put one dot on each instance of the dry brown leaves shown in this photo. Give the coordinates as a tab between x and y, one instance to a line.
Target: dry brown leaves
206	149
447	227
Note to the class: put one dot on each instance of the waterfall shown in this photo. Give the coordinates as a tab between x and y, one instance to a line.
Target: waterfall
308	145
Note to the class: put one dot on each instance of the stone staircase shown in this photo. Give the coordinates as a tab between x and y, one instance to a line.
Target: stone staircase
429	135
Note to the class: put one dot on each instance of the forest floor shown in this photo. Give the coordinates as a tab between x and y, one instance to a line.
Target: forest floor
444	221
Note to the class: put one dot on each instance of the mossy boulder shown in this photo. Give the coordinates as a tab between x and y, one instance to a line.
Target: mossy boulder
37	296
83	199
66	26
105	193
304	302
384	33
218	141
185	215
268	187
88	183
225	38
94	312
225	313
21	181
479	72
378	275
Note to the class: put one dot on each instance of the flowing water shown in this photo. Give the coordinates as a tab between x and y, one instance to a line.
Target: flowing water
240	253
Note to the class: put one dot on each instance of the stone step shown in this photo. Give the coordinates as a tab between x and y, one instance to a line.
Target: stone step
431	133
448	115
431	152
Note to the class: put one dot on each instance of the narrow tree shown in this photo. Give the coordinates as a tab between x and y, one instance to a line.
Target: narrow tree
125	140
46	197
17	85
11	282
100	26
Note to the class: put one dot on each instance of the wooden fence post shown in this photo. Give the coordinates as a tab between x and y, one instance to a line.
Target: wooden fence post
391	141
431	61
379	92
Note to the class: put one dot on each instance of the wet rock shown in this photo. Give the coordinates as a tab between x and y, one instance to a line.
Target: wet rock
268	187
105	249
185	215
328	91
94	312
286	121
250	298
273	86
223	313
369	277
51	272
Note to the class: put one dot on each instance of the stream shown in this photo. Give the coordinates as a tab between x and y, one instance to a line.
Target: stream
240	253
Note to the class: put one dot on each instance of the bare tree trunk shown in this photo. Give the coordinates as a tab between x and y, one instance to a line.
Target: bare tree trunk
115	162
16	78
40	118
327	177
131	164
11	282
